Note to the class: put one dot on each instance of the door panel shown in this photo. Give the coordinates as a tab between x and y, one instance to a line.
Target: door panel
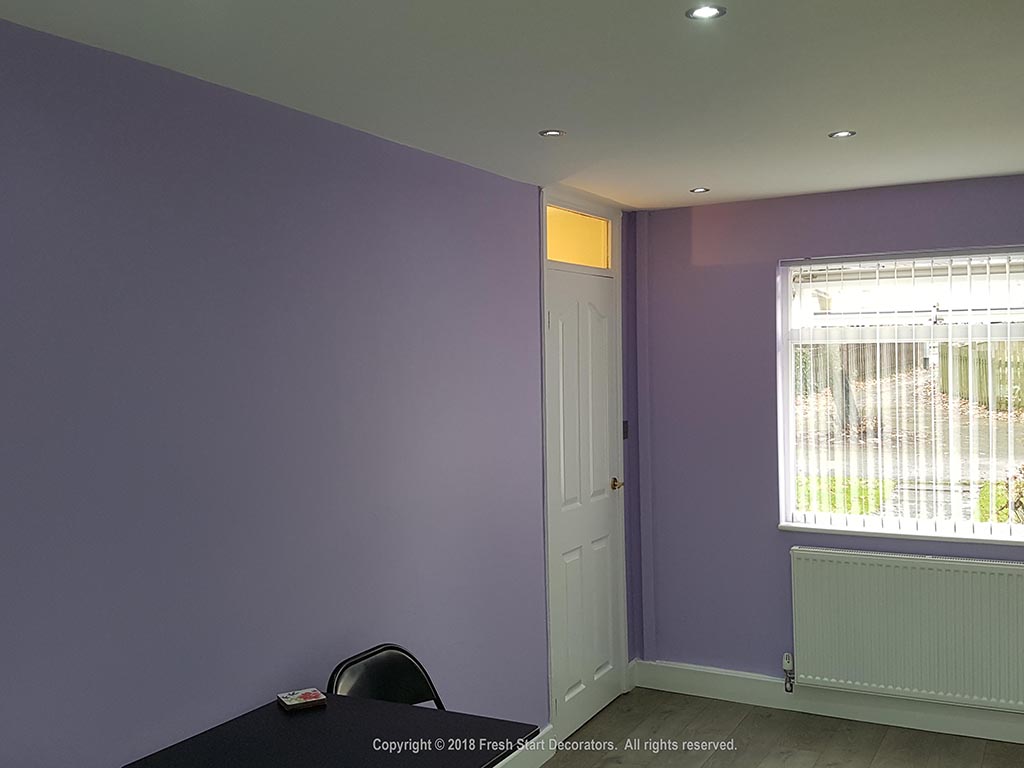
568	433
585	549
596	405
603	641
574	619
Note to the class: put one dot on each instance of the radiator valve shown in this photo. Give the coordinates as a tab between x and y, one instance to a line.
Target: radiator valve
787	670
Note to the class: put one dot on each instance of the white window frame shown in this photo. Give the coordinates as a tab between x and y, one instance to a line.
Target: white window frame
854	525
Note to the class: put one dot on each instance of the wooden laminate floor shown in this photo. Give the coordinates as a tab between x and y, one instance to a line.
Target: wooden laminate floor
644	725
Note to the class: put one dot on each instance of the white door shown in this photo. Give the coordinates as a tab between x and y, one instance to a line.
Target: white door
585	529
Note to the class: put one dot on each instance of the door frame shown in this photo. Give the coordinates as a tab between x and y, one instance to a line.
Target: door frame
582	204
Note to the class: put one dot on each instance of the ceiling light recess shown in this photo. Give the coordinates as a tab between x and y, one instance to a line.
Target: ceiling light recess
700	190
551	133
704	12
842	134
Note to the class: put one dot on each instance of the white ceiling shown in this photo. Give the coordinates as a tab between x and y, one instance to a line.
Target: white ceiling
654	103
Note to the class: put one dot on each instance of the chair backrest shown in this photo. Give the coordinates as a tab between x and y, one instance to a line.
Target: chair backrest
388	673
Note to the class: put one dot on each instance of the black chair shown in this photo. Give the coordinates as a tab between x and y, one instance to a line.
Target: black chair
387	673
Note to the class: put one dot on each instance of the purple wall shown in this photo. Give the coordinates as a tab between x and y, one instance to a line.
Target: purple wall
270	395
716	568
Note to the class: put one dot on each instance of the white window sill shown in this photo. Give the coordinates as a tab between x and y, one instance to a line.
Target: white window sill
963	538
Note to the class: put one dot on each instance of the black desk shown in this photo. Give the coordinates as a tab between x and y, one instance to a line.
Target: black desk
342	734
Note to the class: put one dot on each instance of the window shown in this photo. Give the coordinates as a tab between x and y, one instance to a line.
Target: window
901	397
578	238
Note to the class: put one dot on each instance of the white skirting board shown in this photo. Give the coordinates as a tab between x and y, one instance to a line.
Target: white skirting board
539	752
767	691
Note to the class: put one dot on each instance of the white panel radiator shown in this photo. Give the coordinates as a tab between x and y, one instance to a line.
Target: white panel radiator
932	628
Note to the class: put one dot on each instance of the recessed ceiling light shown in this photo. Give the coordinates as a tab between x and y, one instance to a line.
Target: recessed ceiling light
551	133
842	134
700	190
706	12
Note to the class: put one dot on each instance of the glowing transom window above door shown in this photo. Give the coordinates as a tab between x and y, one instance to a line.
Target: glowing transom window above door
577	238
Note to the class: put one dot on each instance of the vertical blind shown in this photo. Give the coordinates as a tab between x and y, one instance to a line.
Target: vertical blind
902	394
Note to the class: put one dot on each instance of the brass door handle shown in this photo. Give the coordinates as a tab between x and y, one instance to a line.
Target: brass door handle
616	484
